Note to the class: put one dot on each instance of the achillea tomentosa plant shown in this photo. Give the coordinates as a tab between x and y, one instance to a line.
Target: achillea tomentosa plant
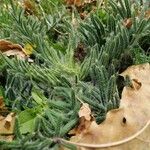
47	94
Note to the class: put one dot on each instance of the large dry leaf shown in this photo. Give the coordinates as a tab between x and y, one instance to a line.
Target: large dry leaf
126	128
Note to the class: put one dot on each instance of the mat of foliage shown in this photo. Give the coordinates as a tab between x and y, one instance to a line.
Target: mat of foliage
57	56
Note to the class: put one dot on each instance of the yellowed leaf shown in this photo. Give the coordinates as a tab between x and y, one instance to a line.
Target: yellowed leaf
28	49
125	128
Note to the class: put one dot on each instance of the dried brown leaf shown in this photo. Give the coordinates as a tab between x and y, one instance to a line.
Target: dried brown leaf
7	127
126	128
3	109
29	7
1	102
85	111
147	14
79	3
74	2
6	123
8	120
84	120
8	48
7	45
127	23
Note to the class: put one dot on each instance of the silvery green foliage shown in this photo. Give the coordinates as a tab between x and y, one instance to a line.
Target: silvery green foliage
54	86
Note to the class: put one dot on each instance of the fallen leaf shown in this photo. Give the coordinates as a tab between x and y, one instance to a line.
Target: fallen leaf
74	2
83	15
79	3
7	127
8	120
6	123
29	7
1	102
28	49
84	120
8	48
127	23
125	128
7	45
138	141
17	53
3	110
147	14
85	111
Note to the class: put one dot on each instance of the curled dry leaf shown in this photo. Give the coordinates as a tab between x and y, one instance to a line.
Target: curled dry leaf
7	45
8	48
126	128
85	111
17	53
84	120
